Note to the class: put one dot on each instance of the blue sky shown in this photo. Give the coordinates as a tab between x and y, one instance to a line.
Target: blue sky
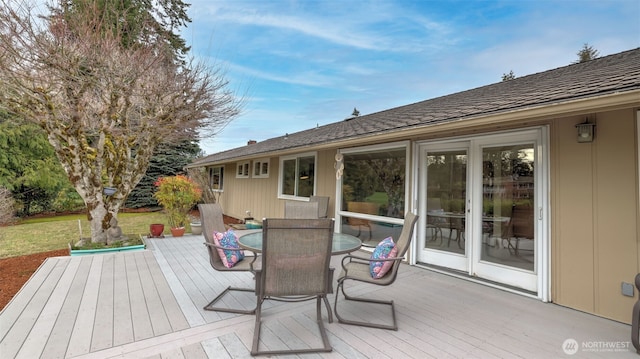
305	63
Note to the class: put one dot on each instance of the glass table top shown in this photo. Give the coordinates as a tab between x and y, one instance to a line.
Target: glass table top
342	243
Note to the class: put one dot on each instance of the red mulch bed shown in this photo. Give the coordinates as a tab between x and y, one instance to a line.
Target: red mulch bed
15	271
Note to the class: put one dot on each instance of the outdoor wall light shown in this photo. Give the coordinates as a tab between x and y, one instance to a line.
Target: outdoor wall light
585	131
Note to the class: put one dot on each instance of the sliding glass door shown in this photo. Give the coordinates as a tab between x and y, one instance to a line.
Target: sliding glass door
481	207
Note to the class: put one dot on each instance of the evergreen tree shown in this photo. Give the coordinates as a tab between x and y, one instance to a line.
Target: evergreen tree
28	166
586	53
509	76
168	160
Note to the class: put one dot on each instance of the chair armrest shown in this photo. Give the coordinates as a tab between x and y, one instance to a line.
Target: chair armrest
255	254
351	258
231	248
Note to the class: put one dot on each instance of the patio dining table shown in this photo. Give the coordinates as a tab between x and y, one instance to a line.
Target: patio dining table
342	242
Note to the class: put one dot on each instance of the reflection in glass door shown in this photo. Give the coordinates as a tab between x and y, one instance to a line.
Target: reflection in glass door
508	187
446	191
443	201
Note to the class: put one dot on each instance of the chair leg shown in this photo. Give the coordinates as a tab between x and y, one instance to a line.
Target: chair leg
326	345
230	310
329	290
323	333
256	329
329	311
436	231
510	245
342	320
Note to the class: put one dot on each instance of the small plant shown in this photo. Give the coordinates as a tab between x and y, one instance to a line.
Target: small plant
177	194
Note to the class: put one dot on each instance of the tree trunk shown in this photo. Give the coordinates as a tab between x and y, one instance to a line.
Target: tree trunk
97	216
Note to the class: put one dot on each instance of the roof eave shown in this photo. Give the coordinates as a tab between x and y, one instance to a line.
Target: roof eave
533	113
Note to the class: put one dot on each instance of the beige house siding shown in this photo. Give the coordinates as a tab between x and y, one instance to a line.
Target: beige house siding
257	195
260	195
594	214
326	179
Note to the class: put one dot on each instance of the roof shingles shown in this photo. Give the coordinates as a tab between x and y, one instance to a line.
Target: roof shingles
614	73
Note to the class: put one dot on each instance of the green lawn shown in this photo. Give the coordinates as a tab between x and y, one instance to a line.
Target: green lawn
48	234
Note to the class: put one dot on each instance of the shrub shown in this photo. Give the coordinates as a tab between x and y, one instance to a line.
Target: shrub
177	194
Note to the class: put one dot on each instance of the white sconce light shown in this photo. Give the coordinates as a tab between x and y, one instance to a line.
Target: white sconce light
585	131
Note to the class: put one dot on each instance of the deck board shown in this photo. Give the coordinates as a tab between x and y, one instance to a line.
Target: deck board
21	327
12	312
156	311
142	328
149	305
174	314
80	341
56	346
35	342
122	320
194	351
103	324
182	299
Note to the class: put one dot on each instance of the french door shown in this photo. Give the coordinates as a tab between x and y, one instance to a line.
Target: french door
443	204
481	203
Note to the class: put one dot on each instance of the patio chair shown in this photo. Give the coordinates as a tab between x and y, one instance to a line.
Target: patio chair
323	205
362	207
356	268
212	220
301	210
295	267
434	221
520	227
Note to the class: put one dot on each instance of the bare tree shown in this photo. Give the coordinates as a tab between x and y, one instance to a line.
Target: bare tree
200	176
105	107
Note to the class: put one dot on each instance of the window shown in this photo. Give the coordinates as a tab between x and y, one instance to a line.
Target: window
216	177
297	175
261	168
374	180
243	170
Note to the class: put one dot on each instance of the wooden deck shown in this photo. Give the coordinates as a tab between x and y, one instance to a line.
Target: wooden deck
148	304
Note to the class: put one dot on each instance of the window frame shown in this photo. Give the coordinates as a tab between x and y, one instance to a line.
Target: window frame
297	157
211	170
262	173
243	169
374	148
